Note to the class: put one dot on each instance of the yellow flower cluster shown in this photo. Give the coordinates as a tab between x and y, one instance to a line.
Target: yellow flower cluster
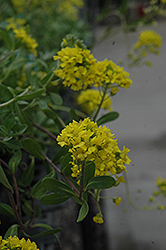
13	243
21	34
98	218
161	184
149	41
90	99
79	69
88	142
75	67
68	8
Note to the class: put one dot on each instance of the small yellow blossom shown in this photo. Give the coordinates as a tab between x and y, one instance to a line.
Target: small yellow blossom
161	207
117	200
149	41
98	218
151	198
90	99
14	243
88	142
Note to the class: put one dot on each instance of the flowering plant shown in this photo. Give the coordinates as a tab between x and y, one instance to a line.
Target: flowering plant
35	123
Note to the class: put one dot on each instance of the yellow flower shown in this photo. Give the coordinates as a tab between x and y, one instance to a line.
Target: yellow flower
117	200
150	41
90	99
88	142
14	242
75	67
17	25
79	69
98	218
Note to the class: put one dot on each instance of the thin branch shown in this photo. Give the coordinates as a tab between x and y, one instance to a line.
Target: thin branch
45	131
62	174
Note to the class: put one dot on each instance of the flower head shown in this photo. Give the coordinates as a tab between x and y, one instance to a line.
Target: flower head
88	142
117	200
90	99
98	218
13	243
74	67
149	41
79	69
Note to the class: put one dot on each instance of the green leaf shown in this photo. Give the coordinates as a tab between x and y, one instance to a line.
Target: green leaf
12	144
38	190
28	174
47	232
66	165
6	209
6	38
31	96
34	148
4	180
111	116
53	199
29	208
101	182
89	171
14	161
57	187
56	98
60	153
83	212
13	230
50	114
23	117
5	94
19	129
73	115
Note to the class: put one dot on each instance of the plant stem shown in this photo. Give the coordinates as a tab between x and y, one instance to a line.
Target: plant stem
15	209
8	54
45	131
99	107
82	180
16	188
13	99
62	174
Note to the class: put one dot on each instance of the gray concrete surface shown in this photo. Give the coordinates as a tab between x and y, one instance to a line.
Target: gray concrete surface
142	128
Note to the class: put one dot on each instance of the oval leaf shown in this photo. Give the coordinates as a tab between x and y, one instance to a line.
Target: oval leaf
4	180
89	171
101	182
83	212
57	187
13	230
111	116
6	209
38	190
14	161
33	147
53	199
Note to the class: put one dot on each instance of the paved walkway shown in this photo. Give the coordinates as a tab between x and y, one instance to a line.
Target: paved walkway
142	128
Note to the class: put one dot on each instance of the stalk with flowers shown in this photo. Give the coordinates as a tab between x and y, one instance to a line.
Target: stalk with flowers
85	156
